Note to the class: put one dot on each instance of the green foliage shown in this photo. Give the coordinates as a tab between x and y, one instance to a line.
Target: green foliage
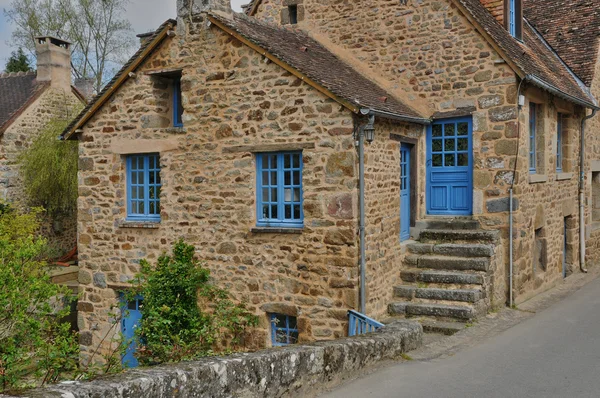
18	62
32	338
184	315
49	170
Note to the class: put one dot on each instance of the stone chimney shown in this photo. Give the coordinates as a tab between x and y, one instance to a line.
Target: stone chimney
199	6
53	61
86	87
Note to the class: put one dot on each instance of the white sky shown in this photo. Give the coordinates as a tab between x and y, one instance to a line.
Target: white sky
144	15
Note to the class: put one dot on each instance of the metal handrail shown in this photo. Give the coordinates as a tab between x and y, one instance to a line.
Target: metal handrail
361	324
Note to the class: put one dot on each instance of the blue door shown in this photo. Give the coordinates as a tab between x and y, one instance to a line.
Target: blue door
404	192
450	167
132	315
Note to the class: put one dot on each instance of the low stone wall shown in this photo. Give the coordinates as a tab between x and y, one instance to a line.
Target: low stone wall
293	371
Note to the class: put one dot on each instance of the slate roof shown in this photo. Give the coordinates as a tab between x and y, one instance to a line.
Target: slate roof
17	90
109	88
572	28
306	55
533	56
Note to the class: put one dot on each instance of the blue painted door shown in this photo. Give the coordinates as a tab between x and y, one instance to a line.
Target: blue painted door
450	167
404	192
132	315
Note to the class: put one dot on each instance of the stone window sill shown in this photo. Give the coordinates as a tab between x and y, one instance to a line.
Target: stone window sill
537	178
176	130
139	224
281	230
563	176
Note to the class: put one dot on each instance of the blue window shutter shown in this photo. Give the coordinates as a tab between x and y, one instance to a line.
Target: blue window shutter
177	105
143	187
279	190
284	329
559	142
532	137
512	11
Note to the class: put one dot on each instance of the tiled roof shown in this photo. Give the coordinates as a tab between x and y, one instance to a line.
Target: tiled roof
533	57
304	54
572	28
115	82
17	91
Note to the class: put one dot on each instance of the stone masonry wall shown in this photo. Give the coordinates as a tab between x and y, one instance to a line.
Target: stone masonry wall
53	103
235	104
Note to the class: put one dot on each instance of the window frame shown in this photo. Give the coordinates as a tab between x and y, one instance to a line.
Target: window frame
293	14
147	216
280	187
512	17
533	110
177	103
559	142
286	329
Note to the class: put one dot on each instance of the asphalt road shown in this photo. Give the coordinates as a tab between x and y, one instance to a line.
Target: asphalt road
556	353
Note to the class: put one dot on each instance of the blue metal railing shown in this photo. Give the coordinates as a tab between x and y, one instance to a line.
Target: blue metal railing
361	324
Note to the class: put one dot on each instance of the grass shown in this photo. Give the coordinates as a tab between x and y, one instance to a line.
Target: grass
406	357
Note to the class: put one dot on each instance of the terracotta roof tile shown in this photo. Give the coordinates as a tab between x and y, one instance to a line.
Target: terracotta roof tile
572	28
18	89
318	63
533	56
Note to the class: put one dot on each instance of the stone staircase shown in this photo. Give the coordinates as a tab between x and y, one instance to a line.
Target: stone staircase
446	277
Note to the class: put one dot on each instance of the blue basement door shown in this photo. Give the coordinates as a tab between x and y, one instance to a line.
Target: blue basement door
404	192
132	315
450	167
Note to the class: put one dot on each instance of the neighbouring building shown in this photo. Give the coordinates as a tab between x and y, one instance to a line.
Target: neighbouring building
28	102
244	138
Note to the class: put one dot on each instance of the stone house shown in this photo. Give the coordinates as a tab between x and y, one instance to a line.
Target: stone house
28	101
356	158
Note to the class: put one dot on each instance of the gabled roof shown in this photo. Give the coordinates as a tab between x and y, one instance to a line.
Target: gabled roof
104	95
533	58
18	90
317	66
572	28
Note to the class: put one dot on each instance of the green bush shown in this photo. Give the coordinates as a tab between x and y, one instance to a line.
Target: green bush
35	346
184	315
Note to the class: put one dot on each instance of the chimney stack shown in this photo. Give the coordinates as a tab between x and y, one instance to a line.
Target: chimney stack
199	6
53	61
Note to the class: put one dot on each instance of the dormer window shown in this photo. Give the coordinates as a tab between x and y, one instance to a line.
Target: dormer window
514	18
293	11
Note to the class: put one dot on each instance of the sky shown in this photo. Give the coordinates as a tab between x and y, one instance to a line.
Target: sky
144	15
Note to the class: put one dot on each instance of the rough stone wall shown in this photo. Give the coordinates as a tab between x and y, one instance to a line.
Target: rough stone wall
384	253
231	98
546	198
53	103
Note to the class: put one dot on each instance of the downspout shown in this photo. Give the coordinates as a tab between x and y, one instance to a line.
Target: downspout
582	194
510	199
361	211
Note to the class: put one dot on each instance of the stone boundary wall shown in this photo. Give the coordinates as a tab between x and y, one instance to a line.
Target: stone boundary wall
293	371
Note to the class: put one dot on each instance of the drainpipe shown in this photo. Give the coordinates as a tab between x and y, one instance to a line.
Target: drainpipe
582	194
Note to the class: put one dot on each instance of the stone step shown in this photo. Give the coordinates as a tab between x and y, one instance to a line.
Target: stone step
452	249
448	263
412	292
447	223
438	236
434	310
448	277
446	328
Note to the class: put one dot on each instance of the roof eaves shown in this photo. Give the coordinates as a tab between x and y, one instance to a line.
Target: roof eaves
119	79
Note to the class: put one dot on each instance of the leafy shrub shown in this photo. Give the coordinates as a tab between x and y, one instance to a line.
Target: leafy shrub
184	315
33	341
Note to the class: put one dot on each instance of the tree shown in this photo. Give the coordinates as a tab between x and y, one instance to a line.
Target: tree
18	62
101	37
49	170
33	339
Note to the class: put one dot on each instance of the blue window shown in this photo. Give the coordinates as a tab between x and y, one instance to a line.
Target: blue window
279	190
284	330
559	142
512	14
532	136
177	105
143	187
